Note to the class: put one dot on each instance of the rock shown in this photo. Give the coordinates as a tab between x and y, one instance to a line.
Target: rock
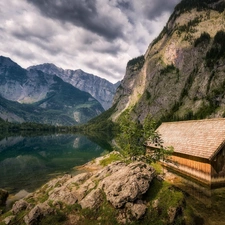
18	206
155	204
127	183
84	188
58	181
78	179
72	190
73	219
8	219
122	217
63	194
172	213
92	200
138	210
3	196
135	210
37	213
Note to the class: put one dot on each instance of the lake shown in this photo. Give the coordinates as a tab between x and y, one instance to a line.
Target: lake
26	163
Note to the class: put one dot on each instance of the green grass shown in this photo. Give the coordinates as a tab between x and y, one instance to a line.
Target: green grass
167	197
56	218
106	215
113	157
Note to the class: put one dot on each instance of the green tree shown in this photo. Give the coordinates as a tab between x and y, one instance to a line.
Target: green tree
133	136
129	135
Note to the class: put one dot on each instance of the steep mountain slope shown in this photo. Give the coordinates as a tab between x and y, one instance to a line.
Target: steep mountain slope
182	74
99	88
35	96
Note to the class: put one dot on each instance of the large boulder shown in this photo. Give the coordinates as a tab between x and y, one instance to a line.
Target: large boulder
71	190
64	195
126	183
131	212
92	200
20	205
37	213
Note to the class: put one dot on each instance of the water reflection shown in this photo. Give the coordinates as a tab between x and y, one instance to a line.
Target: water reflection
207	204
28	162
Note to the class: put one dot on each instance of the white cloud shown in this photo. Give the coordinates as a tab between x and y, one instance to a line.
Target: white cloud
99	41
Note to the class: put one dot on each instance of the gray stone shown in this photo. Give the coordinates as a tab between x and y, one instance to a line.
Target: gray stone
8	219
138	210
92	200
37	213
63	194
73	189
155	204
18	206
128	183
172	213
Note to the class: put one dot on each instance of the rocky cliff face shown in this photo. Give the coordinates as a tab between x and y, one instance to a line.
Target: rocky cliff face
181	75
99	88
39	97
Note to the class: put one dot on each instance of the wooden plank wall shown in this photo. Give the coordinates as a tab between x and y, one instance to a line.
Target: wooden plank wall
191	168
195	165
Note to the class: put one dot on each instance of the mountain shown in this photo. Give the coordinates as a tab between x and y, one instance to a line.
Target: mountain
31	95
99	88
182	74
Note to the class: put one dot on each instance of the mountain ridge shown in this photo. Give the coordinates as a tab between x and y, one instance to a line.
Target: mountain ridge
181	75
84	81
38	97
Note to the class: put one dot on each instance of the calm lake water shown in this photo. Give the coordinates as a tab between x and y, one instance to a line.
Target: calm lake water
26	163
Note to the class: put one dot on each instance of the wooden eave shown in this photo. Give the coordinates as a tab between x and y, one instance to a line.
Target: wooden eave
201	139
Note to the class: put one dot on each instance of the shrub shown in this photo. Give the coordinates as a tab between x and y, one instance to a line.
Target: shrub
133	136
204	38
169	69
217	50
136	63
163	32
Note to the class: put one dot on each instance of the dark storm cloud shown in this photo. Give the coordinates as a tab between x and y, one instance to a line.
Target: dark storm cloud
97	36
26	55
82	13
25	34
109	68
124	4
154	9
105	70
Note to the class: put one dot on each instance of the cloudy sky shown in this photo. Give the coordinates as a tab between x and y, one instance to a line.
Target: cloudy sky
97	36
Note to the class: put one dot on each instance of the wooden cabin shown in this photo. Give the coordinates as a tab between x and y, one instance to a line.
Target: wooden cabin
199	149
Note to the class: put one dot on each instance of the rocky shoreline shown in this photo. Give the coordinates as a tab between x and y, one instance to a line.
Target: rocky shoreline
118	193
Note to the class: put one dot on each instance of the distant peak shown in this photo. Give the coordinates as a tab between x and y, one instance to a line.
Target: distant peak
186	5
46	67
6	61
80	70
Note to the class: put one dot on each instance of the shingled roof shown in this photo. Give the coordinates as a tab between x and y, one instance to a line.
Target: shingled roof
199	138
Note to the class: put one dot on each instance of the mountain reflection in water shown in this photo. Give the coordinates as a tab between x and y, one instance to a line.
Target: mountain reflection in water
29	162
